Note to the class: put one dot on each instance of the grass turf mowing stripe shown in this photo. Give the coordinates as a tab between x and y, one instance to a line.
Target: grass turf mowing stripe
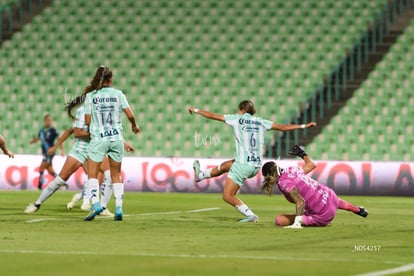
193	256
143	214
400	269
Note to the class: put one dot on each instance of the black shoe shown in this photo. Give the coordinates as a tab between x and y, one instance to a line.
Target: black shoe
362	212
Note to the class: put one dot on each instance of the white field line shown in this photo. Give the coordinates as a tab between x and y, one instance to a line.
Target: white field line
400	269
39	220
143	214
177	212
187	256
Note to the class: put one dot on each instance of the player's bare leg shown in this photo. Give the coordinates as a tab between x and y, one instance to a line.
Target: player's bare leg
230	196
50	169
284	220
200	175
70	166
345	205
42	168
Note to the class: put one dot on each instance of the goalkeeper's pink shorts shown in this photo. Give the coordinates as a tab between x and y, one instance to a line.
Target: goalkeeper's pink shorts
327	215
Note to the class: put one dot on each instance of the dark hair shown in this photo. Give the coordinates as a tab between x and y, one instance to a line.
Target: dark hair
248	107
270	174
102	75
47	115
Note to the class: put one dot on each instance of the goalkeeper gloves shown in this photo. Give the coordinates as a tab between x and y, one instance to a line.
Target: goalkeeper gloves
298	151
297	224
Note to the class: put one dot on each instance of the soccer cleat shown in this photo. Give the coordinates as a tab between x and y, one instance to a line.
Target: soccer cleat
73	202
31	208
96	209
86	207
196	167
253	218
118	213
362	212
106	213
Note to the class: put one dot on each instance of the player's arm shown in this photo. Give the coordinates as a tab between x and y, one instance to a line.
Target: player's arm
300	208
60	141
131	118
88	120
289	127
309	164
299	151
3	147
207	114
128	147
80	133
299	201
34	140
62	149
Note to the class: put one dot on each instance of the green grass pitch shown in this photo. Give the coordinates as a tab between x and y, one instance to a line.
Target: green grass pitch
198	234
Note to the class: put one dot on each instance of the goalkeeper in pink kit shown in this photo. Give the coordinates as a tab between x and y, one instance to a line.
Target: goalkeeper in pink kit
316	204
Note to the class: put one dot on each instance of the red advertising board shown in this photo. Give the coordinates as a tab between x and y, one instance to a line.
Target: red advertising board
176	175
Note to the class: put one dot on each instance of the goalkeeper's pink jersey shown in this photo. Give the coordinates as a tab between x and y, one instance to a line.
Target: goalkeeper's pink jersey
316	196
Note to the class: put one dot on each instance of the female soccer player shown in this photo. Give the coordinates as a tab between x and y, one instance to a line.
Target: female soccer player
249	134
4	148
103	115
316	204
78	155
47	136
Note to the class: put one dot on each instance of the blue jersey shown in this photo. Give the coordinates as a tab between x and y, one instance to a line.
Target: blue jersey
47	138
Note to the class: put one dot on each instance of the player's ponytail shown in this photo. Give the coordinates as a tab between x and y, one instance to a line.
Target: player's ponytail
74	103
271	173
102	75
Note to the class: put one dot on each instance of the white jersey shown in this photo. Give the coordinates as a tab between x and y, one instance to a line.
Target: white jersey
81	144
105	107
249	137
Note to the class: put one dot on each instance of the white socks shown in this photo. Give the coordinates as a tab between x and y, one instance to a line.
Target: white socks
106	189
118	193
244	210
78	196
53	186
205	174
93	184
86	193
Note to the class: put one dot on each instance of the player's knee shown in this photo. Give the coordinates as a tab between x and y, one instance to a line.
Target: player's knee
227	198
282	220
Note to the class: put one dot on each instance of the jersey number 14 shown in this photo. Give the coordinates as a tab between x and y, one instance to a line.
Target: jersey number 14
106	118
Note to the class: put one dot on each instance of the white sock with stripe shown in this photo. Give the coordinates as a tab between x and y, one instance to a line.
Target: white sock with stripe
244	210
93	185
118	193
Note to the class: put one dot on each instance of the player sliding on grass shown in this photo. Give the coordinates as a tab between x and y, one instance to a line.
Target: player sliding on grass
103	115
316	204
249	134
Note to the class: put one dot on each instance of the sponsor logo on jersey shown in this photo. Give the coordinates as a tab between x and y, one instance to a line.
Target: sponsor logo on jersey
108	133
249	122
105	100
